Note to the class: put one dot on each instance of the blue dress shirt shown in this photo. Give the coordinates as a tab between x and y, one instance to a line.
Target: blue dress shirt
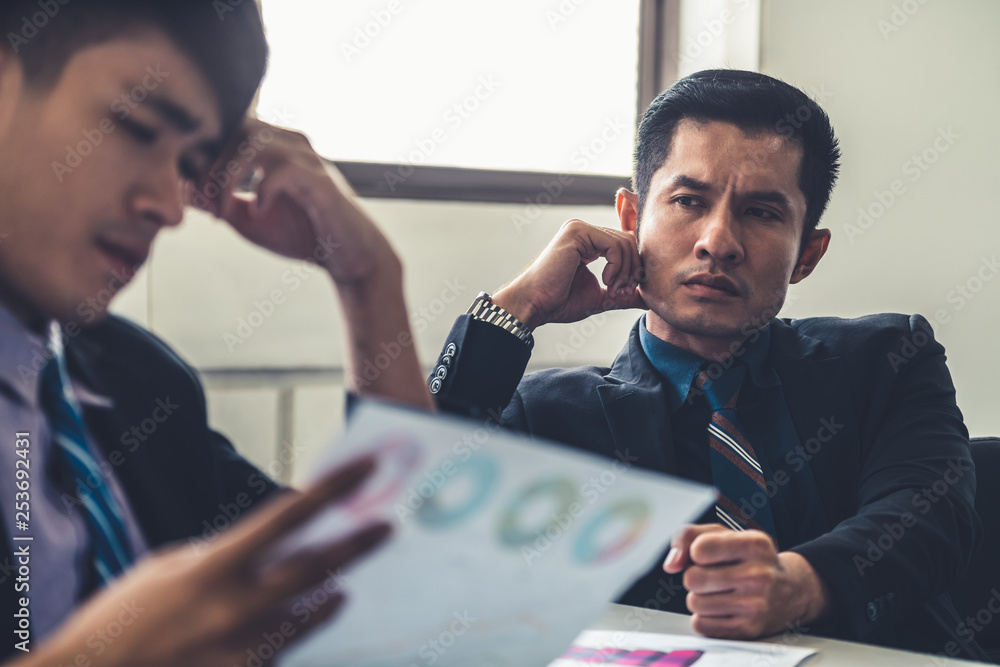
795	500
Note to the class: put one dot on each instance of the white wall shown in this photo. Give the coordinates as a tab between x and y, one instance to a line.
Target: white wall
889	97
891	94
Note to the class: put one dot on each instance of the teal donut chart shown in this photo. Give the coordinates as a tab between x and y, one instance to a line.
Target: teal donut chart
561	489
484	474
588	549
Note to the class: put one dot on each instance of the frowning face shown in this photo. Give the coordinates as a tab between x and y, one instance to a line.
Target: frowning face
721	232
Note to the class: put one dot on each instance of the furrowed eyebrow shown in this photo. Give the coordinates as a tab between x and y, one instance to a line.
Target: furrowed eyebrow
683	181
770	197
765	196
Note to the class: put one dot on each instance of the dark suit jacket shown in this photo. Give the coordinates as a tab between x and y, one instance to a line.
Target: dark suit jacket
183	480
893	466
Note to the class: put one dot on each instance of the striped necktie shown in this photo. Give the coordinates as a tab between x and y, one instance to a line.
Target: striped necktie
742	501
101	511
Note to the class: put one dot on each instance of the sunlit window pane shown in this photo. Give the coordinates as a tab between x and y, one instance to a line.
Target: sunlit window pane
521	84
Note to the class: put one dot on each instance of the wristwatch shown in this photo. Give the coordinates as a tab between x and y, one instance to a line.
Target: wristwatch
485	310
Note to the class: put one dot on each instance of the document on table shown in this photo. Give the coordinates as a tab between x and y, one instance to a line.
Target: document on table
504	548
658	650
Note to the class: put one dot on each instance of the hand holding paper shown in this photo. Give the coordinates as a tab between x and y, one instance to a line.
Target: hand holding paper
504	550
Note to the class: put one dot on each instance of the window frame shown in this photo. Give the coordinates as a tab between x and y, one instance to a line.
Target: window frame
659	38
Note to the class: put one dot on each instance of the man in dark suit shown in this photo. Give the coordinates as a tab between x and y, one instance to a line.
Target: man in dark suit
840	457
115	114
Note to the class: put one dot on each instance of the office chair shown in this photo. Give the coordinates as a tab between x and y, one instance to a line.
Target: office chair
977	595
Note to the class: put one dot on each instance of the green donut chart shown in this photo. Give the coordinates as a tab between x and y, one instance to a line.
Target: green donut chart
510	529
603	537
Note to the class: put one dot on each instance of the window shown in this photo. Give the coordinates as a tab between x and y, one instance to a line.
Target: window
518	85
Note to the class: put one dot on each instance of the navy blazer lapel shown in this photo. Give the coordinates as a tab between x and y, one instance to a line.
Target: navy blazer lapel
144	482
636	408
820	402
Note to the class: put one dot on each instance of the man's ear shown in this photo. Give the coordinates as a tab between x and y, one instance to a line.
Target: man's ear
11	87
815	248
627	205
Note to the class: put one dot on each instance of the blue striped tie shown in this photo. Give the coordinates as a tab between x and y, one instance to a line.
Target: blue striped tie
102	512
742	501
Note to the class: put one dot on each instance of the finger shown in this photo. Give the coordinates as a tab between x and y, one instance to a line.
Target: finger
322	615
308	188
713	579
736	603
622	258
305	569
592	242
630	280
624	301
278	629
215	187
236	164
719	547
724	627
289	511
679	556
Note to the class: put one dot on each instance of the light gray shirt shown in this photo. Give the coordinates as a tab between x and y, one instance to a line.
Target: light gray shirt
60	544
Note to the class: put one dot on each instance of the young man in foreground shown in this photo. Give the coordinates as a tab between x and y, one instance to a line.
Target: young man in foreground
823	436
113	114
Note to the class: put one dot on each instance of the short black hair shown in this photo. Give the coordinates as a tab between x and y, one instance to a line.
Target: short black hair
224	38
753	102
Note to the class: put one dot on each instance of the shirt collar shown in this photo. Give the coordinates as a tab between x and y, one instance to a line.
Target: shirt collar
23	354
679	367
